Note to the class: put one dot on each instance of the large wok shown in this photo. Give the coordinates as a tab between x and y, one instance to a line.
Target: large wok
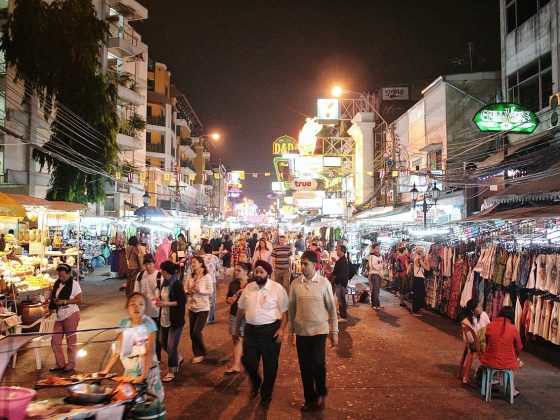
86	394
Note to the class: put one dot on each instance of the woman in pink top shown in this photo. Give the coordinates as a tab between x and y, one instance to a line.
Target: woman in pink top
162	252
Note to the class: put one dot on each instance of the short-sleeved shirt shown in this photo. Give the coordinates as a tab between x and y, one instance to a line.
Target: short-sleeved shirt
281	255
64	312
263	305
133	362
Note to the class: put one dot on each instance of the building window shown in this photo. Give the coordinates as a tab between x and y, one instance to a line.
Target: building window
148	137
435	160
531	85
520	11
151	85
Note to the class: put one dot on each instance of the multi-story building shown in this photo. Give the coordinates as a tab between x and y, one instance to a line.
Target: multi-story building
435	140
530	42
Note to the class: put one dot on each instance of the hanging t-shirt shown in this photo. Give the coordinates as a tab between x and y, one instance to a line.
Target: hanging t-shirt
555	319
547	314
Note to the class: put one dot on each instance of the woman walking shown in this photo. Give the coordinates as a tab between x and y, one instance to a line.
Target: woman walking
134	256
420	267
199	288
172	316
262	252
66	295
240	280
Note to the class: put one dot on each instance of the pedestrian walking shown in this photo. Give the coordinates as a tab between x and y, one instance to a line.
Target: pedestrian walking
66	295
312	315
264	305
199	289
375	269
211	262
420	267
172	316
339	279
148	283
282	262
262	252
240	280
402	265
134	254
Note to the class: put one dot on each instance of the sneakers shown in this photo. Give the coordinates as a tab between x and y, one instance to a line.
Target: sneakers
341	319
197	359
378	308
417	314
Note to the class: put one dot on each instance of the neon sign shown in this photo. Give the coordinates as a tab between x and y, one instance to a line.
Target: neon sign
506	117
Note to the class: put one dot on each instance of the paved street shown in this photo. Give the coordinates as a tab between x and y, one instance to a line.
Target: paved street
388	364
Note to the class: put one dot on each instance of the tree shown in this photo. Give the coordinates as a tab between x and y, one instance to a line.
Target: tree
55	50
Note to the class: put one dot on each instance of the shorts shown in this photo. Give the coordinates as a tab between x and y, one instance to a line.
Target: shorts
232	321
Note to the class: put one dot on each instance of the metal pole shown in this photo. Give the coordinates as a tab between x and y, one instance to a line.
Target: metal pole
425	211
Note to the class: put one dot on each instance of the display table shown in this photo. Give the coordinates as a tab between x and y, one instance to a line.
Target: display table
57	408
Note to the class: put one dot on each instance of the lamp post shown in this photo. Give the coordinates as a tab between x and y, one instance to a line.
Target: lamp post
146	200
434	192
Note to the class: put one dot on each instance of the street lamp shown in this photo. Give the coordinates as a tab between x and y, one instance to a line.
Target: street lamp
435	194
338	91
146	201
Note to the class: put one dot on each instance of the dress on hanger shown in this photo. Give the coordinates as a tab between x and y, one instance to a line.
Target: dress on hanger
541	272
533	268
555	318
518	310
551	272
466	295
547	314
509	269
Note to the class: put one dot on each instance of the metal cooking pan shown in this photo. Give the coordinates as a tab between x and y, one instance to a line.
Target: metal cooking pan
85	393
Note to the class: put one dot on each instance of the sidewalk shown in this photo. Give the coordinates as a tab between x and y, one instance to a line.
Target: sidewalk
388	364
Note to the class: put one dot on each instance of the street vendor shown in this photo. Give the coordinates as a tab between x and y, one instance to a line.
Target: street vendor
66	295
136	347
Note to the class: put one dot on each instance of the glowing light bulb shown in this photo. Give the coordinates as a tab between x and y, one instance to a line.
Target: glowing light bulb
82	353
337	91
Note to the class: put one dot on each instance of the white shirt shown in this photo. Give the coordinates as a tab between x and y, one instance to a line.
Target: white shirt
263	254
64	312
263	305
200	301
148	287
480	323
375	264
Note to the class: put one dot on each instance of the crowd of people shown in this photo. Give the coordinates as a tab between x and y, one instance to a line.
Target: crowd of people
268	301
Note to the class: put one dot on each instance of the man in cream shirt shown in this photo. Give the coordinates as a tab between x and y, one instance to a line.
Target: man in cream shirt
263	304
312	315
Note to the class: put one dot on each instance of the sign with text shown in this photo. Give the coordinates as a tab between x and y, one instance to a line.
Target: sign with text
308	199
394	93
506	117
308	164
327	109
284	144
332	161
303	184
334	206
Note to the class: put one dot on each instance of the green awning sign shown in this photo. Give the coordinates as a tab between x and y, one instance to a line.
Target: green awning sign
506	117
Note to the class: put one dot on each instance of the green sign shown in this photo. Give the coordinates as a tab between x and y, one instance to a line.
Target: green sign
506	117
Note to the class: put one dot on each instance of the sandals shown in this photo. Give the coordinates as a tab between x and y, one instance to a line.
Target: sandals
231	371
168	378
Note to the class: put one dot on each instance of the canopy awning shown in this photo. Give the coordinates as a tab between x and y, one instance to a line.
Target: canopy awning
151	211
498	212
66	206
27	200
540	189
10	207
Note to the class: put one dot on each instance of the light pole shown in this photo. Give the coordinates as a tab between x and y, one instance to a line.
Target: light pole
435	192
146	200
338	91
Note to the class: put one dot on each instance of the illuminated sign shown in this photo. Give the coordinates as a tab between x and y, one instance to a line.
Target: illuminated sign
284	144
308	199
277	187
303	184
327	109
334	206
332	161
307	140
308	164
394	94
282	167
506	117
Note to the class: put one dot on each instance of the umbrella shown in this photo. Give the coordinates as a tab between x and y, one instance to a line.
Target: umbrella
151	211
10	207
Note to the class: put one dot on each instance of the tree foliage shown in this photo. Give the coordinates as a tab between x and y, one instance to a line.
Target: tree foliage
55	46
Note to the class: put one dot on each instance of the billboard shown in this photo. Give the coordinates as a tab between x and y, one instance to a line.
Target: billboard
284	144
506	117
308	199
308	164
334	206
332	161
327	109
303	184
394	94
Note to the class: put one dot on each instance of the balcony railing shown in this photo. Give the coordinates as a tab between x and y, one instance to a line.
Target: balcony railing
155	147
125	33
159	120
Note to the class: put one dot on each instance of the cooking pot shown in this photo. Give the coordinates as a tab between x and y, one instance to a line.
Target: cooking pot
85	393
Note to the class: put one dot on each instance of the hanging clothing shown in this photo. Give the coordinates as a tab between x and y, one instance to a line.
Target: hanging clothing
541	272
551	272
467	293
455	293
518	312
555	319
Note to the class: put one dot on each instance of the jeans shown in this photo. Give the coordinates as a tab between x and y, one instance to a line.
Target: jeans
68	324
259	342
311	356
197	322
212	313
419	297
170	342
375	284
341	292
158	343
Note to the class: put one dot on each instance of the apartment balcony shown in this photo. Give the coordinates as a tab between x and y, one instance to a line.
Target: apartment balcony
124	43
129	8
128	143
159	120
187	151
186	163
155	148
129	96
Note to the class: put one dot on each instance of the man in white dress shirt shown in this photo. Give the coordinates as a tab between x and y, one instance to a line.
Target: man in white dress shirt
264	305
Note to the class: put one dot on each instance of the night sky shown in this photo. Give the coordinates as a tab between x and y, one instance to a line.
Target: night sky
254	69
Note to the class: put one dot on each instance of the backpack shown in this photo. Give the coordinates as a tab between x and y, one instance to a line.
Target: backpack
399	267
351	268
158	278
